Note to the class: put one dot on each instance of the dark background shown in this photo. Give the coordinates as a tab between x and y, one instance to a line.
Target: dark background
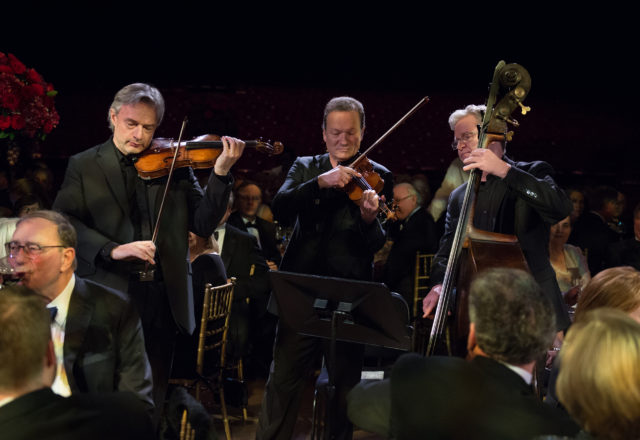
268	74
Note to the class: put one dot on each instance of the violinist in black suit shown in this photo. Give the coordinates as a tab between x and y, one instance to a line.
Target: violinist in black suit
487	397
115	211
332	236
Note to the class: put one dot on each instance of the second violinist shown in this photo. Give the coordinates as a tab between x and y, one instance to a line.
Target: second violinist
333	236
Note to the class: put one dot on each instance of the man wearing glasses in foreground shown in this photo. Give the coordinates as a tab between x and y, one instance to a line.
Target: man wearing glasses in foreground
96	331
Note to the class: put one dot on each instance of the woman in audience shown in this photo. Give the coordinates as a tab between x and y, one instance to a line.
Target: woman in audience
616	287
568	261
599	384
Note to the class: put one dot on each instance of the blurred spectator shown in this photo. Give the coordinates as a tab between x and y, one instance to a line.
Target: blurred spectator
626	252
568	262
577	198
599	384
592	233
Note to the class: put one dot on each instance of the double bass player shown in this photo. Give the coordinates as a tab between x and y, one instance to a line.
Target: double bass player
517	198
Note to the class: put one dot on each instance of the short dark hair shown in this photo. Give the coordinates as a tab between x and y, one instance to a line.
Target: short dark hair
513	319
600	196
25	335
343	104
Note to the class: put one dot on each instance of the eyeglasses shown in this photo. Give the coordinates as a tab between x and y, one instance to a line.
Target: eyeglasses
465	139
30	249
402	198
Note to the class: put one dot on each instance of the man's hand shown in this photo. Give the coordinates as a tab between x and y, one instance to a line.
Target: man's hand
430	301
272	265
232	149
337	177
136	250
487	161
369	206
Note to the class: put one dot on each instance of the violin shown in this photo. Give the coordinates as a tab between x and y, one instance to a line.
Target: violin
198	153
371	180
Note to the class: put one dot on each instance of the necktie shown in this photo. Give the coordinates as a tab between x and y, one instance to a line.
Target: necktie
53	310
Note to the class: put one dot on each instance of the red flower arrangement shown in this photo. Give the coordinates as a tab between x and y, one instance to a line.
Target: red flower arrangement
26	101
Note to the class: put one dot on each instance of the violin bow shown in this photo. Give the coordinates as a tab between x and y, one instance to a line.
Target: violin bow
388	132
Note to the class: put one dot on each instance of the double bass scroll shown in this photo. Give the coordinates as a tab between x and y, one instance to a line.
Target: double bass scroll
473	250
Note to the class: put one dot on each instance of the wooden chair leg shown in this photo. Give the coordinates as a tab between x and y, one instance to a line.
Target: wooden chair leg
225	417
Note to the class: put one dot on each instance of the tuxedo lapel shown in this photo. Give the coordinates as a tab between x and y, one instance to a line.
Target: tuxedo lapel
78	319
108	161
228	247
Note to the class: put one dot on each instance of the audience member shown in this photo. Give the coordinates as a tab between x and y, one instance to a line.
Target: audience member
28	407
626	252
568	262
7	227
251	327
248	198
97	333
617	287
413	231
26	204
207	268
599	384
592	233
577	199
511	326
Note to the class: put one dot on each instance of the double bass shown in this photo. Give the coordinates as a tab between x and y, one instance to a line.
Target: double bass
473	250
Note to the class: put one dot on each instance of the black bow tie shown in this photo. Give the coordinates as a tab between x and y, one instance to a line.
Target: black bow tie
251	225
53	310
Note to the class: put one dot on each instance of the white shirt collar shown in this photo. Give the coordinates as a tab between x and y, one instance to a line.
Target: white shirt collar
62	302
524	374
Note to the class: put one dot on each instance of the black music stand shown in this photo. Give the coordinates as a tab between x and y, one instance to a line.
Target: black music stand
340	309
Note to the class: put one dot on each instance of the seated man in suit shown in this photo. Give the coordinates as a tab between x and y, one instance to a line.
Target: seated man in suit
414	231
487	397
626	252
28	407
251	327
96	331
248	198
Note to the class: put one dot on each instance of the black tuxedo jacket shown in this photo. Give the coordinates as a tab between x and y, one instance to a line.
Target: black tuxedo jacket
450	398
93	195
239	253
329	236
267	232
623	253
104	345
44	415
531	203
416	233
592	234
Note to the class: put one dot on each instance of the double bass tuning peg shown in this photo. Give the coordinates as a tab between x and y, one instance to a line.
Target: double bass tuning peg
524	108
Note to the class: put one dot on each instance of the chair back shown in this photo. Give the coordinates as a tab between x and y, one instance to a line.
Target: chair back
214	324
421	279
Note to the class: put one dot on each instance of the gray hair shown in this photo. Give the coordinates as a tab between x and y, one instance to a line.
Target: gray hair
471	109
513	319
343	104
135	93
412	191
